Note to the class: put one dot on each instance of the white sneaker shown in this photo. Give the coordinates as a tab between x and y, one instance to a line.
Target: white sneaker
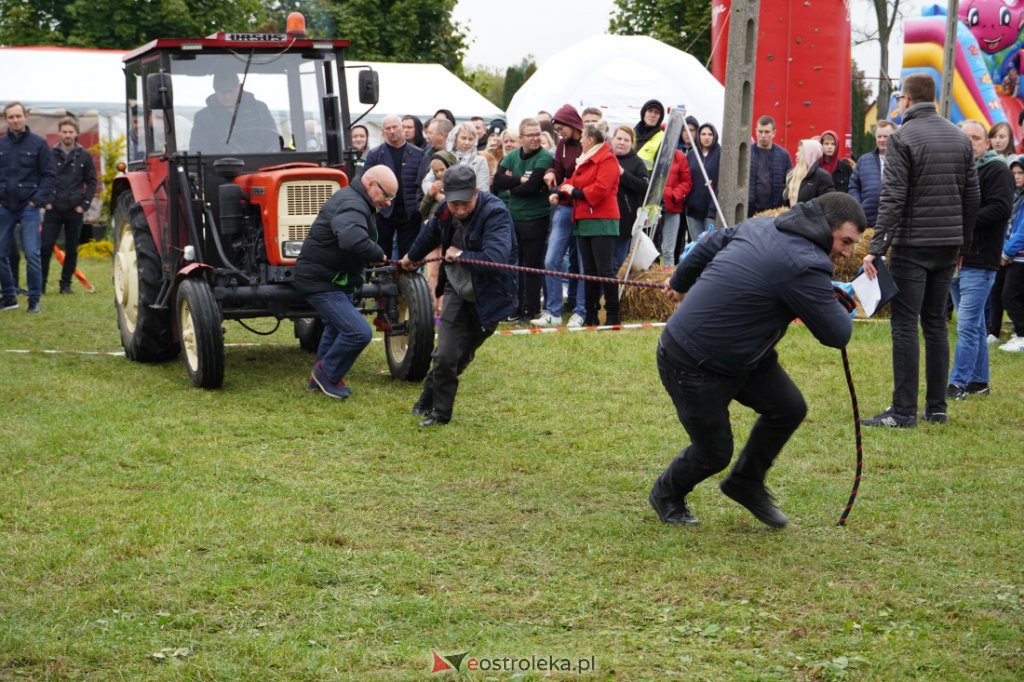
1014	345
546	320
575	321
992	338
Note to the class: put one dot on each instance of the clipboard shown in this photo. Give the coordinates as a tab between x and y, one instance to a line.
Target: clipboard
873	294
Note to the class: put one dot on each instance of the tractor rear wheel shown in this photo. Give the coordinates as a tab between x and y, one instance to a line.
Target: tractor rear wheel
409	353
146	333
202	337
308	331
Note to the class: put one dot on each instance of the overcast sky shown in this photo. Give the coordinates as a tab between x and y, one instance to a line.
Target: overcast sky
502	34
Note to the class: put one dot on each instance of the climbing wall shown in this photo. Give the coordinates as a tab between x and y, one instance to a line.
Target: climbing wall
803	66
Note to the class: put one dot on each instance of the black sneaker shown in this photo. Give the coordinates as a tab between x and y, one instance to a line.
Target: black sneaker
10	303
33	306
671	512
977	388
934	417
66	289
890	419
756	498
954	392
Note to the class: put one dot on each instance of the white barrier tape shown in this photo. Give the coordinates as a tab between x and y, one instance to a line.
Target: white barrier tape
602	328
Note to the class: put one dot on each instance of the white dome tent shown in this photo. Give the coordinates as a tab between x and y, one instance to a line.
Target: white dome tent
618	74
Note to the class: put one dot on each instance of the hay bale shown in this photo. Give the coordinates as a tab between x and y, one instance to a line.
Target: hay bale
642	303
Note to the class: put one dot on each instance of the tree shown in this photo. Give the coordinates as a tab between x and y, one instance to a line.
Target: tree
863	141
886	14
489	82
683	24
515	76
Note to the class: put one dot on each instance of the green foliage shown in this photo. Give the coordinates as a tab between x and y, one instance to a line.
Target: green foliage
683	24
863	141
391	30
152	531
515	76
489	82
110	151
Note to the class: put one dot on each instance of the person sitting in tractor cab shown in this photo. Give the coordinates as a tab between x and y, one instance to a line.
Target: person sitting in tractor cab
254	130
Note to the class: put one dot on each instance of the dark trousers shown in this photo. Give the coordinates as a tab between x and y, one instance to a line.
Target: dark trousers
55	221
994	308
531	236
923	276
458	337
407	230
598	254
14	258
1013	296
702	399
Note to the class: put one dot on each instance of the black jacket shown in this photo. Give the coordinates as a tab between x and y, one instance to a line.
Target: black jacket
815	183
698	202
76	179
341	241
841	176
930	186
255	129
632	188
779	164
491	237
409	192
995	182
27	170
746	284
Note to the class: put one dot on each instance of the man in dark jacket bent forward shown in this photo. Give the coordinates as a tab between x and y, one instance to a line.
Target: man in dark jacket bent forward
472	225
744	286
341	241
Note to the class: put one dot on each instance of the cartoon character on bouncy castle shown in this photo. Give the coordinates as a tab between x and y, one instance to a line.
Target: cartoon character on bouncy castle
998	25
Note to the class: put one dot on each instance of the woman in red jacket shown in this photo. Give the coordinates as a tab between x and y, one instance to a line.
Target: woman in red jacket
594	190
677	188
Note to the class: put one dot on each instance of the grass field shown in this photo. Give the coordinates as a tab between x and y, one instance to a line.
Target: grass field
149	530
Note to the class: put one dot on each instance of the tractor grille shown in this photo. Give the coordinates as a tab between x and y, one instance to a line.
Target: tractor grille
299	203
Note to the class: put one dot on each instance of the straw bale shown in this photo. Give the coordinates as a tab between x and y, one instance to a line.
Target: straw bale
642	303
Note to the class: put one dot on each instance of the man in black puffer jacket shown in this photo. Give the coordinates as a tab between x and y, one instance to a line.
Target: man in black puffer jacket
745	285
926	212
341	241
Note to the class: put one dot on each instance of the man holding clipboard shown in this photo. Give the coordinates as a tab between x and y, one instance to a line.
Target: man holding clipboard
926	213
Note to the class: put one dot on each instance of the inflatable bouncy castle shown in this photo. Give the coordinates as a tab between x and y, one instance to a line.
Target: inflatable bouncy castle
990	37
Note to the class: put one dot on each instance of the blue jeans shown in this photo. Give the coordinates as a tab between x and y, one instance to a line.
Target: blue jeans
622	245
669	237
346	332
28	218
558	243
696	226
970	294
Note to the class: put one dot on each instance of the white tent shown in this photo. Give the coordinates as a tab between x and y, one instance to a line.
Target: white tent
75	80
618	74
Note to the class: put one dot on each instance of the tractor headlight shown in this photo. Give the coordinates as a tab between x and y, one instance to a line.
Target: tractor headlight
291	249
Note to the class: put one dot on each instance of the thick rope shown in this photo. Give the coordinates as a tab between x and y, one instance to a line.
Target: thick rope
538	271
856	429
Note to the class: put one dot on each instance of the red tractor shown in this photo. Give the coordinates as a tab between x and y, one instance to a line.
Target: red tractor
235	142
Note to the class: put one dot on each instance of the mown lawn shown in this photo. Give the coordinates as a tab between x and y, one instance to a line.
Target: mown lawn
149	530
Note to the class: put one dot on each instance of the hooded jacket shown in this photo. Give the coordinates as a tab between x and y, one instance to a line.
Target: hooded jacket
648	138
1013	246
491	237
27	170
698	202
566	151
746	284
930	195
341	241
597	181
838	167
995	181
678	184
429	204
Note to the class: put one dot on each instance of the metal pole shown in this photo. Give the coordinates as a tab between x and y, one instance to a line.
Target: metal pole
948	60
738	119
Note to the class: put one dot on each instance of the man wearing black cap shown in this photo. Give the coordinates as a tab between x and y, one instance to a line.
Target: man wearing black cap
254	129
471	225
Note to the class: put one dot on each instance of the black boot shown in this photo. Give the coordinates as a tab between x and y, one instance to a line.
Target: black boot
425	404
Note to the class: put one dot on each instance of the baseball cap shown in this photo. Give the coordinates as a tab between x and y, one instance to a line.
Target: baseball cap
459	183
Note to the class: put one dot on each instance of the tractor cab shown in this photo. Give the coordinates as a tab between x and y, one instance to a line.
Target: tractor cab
235	141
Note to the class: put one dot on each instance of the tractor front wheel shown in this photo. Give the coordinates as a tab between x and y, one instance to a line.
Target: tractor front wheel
409	352
202	337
